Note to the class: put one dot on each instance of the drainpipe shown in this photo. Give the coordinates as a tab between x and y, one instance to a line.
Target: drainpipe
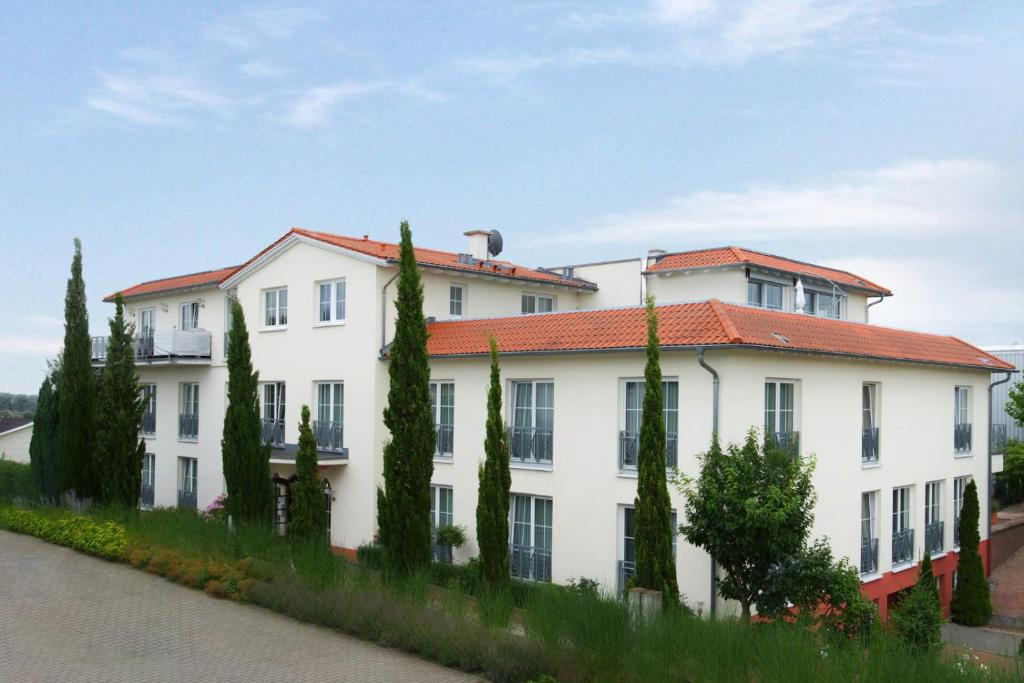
384	313
714	430
867	311
988	514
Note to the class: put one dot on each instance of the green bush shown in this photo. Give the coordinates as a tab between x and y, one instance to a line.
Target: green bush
102	539
16	480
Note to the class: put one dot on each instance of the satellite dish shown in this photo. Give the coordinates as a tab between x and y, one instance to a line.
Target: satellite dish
494	243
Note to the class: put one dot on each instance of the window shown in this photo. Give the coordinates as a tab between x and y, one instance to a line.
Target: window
328	504
533	419
530	555
959	484
456	300
229	316
188	420
148	425
934	529
147	322
536	303
822	304
148	480
764	295
962	419
188	482
332	302
442	403
780	414
902	534
275	307
629	439
869	421
273	412
190	315
868	533
627	560
330	415
440	515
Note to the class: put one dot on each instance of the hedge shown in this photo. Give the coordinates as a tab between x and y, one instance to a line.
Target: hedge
16	480
102	539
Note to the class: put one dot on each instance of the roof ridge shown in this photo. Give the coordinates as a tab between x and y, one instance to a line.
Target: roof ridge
725	322
736	252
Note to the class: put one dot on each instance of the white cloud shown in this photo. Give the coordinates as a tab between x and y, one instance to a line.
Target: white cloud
255	26
30	344
155	98
919	199
315	106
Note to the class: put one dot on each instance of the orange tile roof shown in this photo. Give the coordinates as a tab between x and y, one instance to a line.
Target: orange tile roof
167	284
708	323
388	251
723	256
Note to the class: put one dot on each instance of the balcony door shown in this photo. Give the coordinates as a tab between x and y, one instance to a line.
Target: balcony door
147	322
190	315
780	410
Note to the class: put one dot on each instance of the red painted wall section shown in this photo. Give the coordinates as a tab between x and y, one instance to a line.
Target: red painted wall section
881	589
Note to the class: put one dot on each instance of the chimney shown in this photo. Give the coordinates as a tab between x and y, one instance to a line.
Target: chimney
478	243
654	255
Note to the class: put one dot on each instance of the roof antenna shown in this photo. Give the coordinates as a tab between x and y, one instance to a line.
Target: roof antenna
494	243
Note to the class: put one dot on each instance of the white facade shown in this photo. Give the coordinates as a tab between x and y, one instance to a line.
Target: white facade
14	443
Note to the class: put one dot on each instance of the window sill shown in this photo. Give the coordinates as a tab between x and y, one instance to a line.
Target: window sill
184	440
448	459
539	466
965	454
149	437
903	566
939	555
629	474
869	577
279	328
873	465
329	323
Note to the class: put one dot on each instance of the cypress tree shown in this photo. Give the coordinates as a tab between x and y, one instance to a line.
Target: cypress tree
655	566
120	451
917	621
77	395
307	515
495	480
409	455
245	458
972	604
43	449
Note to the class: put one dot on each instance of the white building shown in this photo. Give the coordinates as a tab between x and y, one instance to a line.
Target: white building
15	437
898	420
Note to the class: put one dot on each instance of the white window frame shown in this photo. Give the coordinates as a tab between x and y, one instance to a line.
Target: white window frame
188	474
762	294
623	509
869	522
149	404
456	305
812	298
775	387
335	400
533	411
274	321
959	485
336	302
190	321
149	471
533	529
439	410
274	408
529	300
933	502
439	517
147	327
902	510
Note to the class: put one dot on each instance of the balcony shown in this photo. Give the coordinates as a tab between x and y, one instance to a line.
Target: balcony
147	425
329	435
868	555
902	546
629	449
869	445
962	438
146	497
187	499
788	442
997	440
934	537
163	346
529	563
272	432
445	441
527	445
188	426
627	570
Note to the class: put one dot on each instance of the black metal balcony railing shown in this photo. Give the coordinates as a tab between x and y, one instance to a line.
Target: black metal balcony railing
956	531
188	426
272	432
902	546
445	440
529	563
627	570
997	439
962	437
868	555
146	496
530	445
329	435
869	445
934	537
147	425
788	441
629	449
187	499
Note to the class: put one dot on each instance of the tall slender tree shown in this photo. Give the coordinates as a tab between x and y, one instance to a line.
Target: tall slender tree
308	522
77	393
120	451
655	565
246	459
917	620
43	449
495	481
972	603
409	455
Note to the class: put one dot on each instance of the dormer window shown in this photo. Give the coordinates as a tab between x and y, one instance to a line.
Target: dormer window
536	303
822	305
764	295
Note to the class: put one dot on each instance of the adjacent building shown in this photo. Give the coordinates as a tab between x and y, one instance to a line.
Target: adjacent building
898	421
15	437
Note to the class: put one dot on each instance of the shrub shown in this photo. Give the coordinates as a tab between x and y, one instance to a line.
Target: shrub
371	556
450	535
16	480
917	621
217	510
102	539
585	586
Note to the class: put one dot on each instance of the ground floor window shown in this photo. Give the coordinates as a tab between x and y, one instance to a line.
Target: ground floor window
441	514
530	552
148	488
188	482
328	500
282	504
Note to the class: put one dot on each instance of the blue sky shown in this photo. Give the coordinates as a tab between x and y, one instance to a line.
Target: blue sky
884	137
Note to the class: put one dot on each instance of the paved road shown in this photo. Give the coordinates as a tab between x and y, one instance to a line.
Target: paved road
70	617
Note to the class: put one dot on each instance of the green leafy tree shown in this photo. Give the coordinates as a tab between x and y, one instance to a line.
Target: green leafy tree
1015	403
246	459
409	455
44	447
120	451
751	508
77	395
917	620
308	519
972	604
1010	481
495	481
655	565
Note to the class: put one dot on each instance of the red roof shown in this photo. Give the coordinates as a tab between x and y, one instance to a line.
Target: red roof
724	256
207	278
388	251
708	323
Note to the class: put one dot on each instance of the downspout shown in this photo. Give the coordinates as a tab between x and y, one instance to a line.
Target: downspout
988	513
384	314
867	308
714	430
